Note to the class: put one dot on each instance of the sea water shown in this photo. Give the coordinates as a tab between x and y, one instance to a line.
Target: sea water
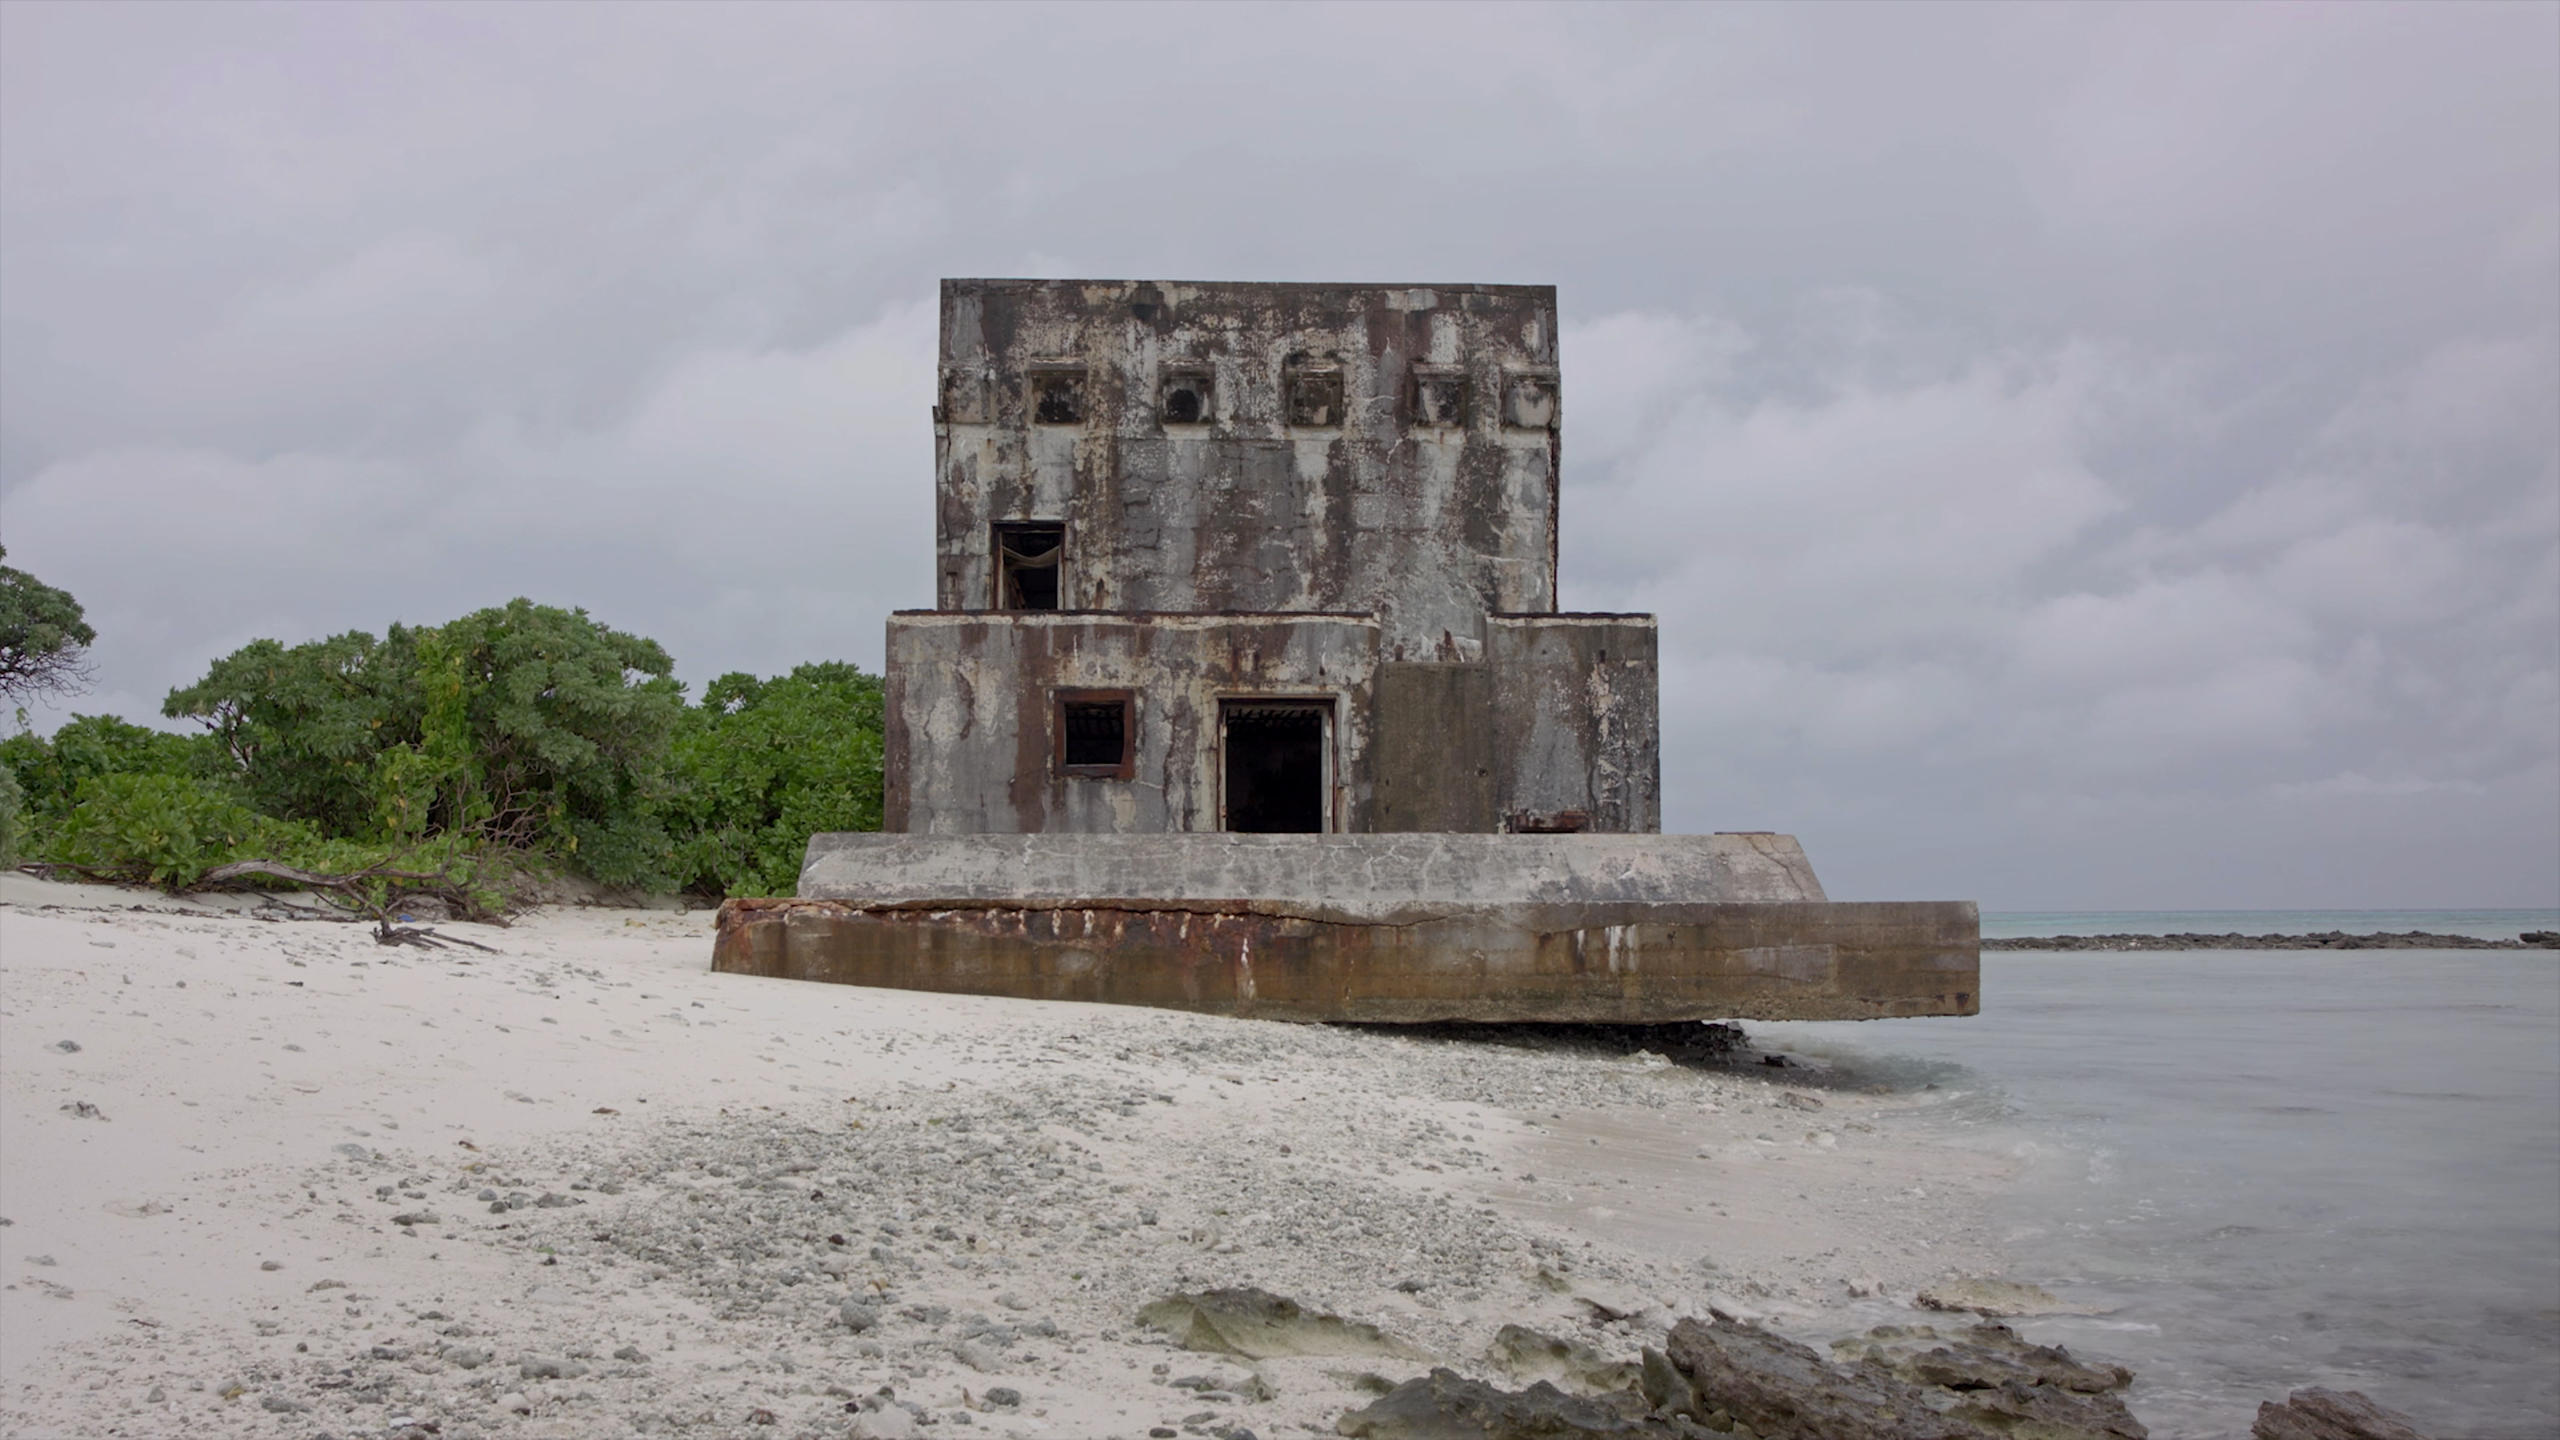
2269	1169
2478	924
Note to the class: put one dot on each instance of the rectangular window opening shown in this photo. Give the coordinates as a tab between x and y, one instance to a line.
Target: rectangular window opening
1097	733
1276	777
1029	556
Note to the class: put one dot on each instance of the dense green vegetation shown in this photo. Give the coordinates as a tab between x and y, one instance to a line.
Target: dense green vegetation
461	759
761	765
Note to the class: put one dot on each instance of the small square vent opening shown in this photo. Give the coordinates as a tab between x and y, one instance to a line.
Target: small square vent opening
1057	397
1440	400
1189	398
1315	397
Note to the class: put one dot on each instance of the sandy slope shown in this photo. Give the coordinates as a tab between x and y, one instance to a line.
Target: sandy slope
1002	1184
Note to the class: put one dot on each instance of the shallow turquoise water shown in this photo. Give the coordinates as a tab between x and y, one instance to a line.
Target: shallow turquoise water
2271	1168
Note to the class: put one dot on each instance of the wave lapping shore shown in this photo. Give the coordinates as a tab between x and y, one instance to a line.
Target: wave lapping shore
2324	940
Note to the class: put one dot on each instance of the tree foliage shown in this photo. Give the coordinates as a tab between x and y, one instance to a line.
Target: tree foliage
50	773
164	829
302	724
44	640
173	831
522	733
764	764
529	726
13	817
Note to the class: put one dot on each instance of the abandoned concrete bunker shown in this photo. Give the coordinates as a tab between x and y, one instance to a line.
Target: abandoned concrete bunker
1245	689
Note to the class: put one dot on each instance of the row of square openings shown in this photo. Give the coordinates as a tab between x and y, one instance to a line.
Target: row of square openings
1312	398
1272	755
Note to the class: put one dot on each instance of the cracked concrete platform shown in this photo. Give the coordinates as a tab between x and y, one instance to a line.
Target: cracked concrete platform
1375	928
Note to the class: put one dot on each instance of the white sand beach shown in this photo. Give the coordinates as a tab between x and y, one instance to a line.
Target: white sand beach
267	1177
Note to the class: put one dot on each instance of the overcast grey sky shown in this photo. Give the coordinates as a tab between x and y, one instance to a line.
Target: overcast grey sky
2081	456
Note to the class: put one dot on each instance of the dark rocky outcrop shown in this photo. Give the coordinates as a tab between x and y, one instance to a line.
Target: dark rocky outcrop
1526	1354
1724	1373
1723	1377
1993	1298
1986	1378
1980	1357
1686	1042
1258	1325
2317	1414
1445	1405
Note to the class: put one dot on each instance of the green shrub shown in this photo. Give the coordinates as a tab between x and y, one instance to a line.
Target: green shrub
302	724
166	830
761	765
50	772
463	751
169	830
13	809
568	722
525	726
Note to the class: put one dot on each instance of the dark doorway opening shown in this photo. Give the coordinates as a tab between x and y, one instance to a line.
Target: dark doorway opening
1027	561
1275	770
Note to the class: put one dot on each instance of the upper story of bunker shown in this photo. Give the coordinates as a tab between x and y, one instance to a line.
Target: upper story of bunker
1131	447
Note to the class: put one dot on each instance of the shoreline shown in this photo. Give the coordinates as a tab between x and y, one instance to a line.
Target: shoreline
269	1217
2323	940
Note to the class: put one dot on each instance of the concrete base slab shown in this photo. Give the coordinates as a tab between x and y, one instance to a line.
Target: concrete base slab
1392	928
1375	876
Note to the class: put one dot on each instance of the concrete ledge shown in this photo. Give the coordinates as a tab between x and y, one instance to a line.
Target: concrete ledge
1392	879
1396	928
1621	962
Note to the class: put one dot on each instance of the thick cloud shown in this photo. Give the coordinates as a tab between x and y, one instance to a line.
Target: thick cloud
2081	457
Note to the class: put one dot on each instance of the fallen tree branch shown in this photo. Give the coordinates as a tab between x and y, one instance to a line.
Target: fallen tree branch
352	890
386	933
241	869
334	915
349	893
56	870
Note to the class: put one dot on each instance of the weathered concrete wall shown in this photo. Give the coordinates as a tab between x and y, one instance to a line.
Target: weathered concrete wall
1393	928
970	746
1577	714
1383	878
1598	962
1557	717
1430	518
1436	753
